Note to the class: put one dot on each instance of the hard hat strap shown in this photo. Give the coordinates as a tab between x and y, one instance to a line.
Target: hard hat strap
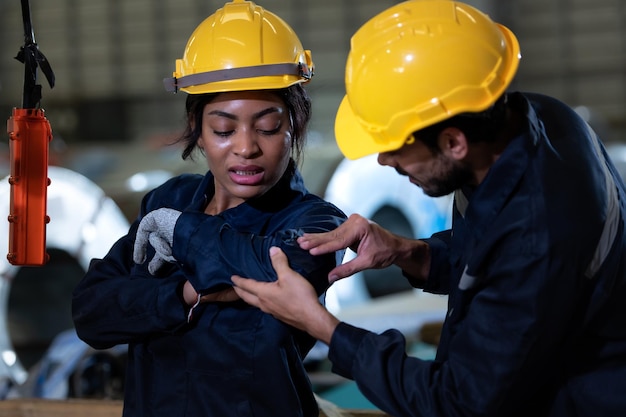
174	84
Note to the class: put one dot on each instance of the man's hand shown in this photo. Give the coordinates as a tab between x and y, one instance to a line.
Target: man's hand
291	299
375	247
156	228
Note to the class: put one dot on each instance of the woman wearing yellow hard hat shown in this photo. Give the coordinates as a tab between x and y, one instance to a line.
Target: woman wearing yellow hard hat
195	349
534	263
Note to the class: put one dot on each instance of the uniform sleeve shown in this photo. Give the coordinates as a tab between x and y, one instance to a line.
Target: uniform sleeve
209	250
391	380
118	302
439	274
507	347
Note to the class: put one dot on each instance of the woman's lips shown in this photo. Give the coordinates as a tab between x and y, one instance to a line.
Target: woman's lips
247	175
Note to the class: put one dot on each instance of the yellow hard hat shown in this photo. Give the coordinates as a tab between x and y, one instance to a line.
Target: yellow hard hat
241	46
415	64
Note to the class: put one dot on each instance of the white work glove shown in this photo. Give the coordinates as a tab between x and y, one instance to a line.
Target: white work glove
156	228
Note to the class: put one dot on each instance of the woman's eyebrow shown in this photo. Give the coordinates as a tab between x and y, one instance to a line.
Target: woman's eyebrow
222	114
255	116
266	111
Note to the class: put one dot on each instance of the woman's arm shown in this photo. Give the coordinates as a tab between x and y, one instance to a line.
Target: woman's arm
209	263
118	302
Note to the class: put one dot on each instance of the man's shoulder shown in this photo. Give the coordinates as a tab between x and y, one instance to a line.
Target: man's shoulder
546	104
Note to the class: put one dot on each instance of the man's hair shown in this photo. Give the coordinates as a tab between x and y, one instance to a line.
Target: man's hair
477	127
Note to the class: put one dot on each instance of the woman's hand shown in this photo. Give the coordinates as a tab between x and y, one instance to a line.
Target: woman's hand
291	299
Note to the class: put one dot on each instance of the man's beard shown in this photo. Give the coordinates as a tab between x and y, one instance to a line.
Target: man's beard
447	178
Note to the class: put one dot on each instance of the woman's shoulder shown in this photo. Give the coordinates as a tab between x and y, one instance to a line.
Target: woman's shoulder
177	191
313	204
186	180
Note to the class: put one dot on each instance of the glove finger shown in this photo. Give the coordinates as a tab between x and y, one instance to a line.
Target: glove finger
169	259
160	245
168	222
155	264
139	249
146	226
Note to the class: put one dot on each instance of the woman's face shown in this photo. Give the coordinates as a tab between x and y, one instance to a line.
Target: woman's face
247	142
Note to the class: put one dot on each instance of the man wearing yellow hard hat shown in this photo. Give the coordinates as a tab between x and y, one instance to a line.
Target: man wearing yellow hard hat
534	264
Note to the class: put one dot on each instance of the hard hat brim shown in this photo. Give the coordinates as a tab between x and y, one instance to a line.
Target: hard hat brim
353	140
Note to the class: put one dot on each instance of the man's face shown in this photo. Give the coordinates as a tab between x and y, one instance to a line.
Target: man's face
437	173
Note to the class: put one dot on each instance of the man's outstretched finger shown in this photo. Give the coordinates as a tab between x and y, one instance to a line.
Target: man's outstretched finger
321	243
348	269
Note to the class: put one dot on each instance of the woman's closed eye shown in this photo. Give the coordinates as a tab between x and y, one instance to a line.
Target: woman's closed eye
223	133
266	132
270	131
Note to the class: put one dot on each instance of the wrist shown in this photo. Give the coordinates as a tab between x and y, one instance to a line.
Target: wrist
190	296
414	258
322	325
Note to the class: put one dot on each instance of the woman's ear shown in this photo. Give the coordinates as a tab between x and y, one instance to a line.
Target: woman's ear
453	143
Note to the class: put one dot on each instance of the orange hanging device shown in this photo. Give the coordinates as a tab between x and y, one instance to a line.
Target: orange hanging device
29	134
29	137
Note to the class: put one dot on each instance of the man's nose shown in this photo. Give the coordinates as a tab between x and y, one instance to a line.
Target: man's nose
385	159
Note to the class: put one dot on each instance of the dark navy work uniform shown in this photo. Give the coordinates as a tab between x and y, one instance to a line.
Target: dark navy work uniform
230	359
535	269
